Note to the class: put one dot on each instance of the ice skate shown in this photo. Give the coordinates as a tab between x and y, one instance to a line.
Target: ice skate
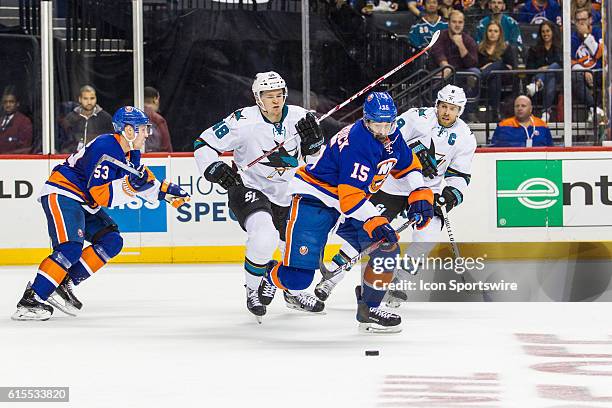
31	307
266	290
64	299
374	319
254	305
304	302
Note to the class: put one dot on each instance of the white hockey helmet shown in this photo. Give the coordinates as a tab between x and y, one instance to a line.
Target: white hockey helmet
268	81
454	95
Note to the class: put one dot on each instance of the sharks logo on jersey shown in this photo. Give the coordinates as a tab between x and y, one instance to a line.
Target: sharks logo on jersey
281	160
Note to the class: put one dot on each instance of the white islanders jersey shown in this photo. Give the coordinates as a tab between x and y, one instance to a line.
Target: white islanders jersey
452	147
249	135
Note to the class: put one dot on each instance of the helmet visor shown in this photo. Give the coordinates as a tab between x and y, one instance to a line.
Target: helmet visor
381	128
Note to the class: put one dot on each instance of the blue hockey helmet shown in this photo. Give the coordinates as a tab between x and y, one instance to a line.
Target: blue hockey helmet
379	113
379	107
129	115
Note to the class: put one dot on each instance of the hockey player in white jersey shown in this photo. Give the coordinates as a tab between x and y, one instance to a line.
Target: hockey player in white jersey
258	196
445	146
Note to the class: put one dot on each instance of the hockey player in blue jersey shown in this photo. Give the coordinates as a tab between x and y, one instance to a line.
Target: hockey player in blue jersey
72	199
353	166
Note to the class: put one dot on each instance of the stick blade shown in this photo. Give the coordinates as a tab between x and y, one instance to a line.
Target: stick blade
434	38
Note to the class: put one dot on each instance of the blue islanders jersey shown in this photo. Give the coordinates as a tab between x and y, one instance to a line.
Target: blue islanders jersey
98	184
353	166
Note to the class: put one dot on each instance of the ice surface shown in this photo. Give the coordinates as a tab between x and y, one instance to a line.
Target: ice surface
180	336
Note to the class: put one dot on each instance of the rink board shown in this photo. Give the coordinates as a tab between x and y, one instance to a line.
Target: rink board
538	204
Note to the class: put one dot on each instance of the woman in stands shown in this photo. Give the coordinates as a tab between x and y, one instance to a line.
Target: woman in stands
544	56
494	55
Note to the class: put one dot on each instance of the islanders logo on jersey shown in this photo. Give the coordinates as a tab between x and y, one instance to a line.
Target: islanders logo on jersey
384	168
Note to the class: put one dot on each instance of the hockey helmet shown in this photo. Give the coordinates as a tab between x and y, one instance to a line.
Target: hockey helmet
454	95
129	115
268	81
379	113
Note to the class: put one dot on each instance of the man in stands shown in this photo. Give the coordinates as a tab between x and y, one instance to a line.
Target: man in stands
85	122
523	129
159	141
15	127
421	32
536	11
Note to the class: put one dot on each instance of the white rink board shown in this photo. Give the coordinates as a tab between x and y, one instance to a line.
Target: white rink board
206	222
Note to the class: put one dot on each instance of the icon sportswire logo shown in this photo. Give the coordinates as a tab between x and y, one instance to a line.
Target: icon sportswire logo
529	189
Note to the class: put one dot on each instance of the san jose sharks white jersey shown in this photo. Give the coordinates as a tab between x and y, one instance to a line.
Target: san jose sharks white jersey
452	147
249	135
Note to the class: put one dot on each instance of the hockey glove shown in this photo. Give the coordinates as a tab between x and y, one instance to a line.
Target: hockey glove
428	163
421	207
222	174
173	194
143	182
311	135
378	228
450	197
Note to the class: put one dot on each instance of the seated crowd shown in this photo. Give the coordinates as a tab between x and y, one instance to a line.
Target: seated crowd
480	38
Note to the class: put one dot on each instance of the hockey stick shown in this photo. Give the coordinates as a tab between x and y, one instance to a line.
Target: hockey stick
118	163
126	167
449	231
367	251
434	38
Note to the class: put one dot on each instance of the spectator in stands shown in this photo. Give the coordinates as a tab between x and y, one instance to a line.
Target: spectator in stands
459	50
512	32
545	55
536	11
445	8
523	129
421	32
587	50
455	47
15	127
373	6
159	140
495	55
478	9
416	7
85	122
463	5
580	5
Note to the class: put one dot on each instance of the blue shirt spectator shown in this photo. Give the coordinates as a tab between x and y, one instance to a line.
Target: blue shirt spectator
523	129
536	11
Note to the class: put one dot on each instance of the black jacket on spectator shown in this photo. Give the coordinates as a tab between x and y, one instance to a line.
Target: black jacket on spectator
509	57
538	57
82	129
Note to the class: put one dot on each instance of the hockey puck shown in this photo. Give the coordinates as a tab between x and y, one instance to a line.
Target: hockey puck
372	353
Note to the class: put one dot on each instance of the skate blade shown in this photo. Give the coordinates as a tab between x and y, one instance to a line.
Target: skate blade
373	328
23	314
59	303
258	319
299	309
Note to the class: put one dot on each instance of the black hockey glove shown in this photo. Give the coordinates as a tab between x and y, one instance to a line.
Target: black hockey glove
429	164
311	135
450	197
222	174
